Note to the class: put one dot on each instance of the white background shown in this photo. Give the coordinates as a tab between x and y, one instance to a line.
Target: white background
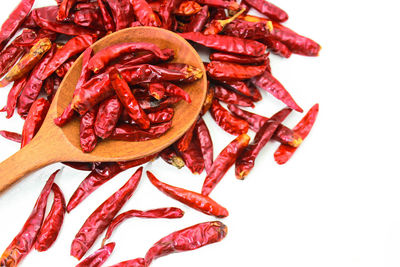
335	203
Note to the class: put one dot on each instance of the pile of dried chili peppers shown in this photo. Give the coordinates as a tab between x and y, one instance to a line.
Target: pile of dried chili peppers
128	91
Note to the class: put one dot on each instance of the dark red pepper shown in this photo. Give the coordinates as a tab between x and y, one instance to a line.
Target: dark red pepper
88	138
16	137
226	120
166	12
227	71
157	90
89	18
13	95
206	144
198	21
231	5
107	117
108	21
268	9
122	12
134	133
170	156
144	14
243	88
277	47
64	68
174	90
240	59
183	143
230	97
193	156
98	257
64	9
34	120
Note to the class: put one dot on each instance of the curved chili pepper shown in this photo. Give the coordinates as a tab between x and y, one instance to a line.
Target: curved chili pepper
157	90
240	59
231	97
206	144
227	121
268	9
249	30
277	47
107	117
64	9
101	218
98	257
174	90
243	88
108	21
231	5
231	71
270	84
223	162
128	100
87	136
170	156
34	120
190	238
209	99
193	156
183	143
53	222
13	95
14	21
16	137
217	25
198	21
27	62
144	14
303	128
187	8
227	43
166	213
192	199
25	239
122	12
139	262
246	160
135	133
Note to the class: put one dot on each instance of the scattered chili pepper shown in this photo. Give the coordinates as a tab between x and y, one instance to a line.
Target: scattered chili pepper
246	160
192	199
223	162
231	71
122	12
13	95
206	144
249	30
170	156
270	84
183	143
227	43
64	9
139	262
268	9
277	47
193	156
157	90
198	21
53	222
303	128
88	138
244	88
100	219
135	133
230	97
217	25
231	5
188	8
25	239
16	137
107	117
34	120
227	121
98	257
108	21
190	238
240	59
144	14
166	213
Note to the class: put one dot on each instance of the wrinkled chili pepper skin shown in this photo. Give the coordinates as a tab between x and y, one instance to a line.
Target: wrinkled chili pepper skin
230	97
188	8
64	68
193	157
65	117
268	9
174	90
270	84
108	21
244	88
166	13
25	239
277	47
227	71
226	120
206	144
87	135
198	21
239	59
122	12
183	143
16	137
14	21
144	14
53	222
192	199
246	160
139	262
159	116
99	220
128	100
98	257
157	90
248	30
223	162
143	58
134	133
64	9
190	238
170	156
13	95
151	105
303	128
192	73
34	120
89	18
107	117
227	43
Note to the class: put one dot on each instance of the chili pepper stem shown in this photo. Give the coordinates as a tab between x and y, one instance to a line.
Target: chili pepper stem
229	20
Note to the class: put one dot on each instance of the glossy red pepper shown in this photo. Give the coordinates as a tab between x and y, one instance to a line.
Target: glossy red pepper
144	14
13	95
122	12
34	120
223	162
198	21
303	128
249	30
227	71
107	117
170	156
25	239
240	59
206	144
53	222
142	58
64	9
231	5
134	133
87	136
174	90
193	157
157	90
101	218
192	199
230	97
108	20
190	238
98	258
183	143
227	121
16	137
268	9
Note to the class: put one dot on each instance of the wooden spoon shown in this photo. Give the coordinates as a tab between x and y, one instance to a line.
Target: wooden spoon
54	144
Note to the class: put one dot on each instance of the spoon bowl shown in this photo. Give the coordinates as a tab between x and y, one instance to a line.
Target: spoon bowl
55	144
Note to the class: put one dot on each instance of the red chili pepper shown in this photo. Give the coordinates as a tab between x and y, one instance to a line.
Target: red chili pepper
183	143
128	100
53	222
270	84
48	86
227	43
190	238
64	9
223	162
89	5
64	68
246	160
209	99
34	120
107	117
249	30
90	18
158	116
16	137
88	138
227	121
25	239
206	144
192	199
303	128
231	5
243	88
166	213
122	12
157	90
144	14
277	47
217	25
14	21
166	12
98	257
151	105
135	133
174	90
198	21
231	97
283	134
240	59
13	95
139	262
268	9
231	71
73	47
101	218
108	21
193	156
193	73
170	156
143	58
187	8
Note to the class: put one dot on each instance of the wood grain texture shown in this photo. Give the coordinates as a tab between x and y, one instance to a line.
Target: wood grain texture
53	144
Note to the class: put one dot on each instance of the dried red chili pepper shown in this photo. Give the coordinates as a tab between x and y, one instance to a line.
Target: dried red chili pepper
217	25
268	9
192	199
166	12
14	21
243	88
193	73
122	12
190	238
170	156
157	90
198	21
206	144
223	162
303	128
64	9
174	90
231	97
107	117
208	100
183	143
143	58
144	14
34	120
88	138
231	5
98	257
151	105
73	47
246	160
86	5
134	133
187	8
283	134
231	71
139	262
277	47
193	156
227	121
270	84
89	18
64	68
249	30
240	59
227	43
48	86
108	21
128	100
53	222
27	62
13	95
158	116
100	219
166	213
25	239
16	137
